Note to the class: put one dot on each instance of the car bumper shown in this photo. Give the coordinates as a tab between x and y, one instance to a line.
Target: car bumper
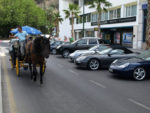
119	71
81	64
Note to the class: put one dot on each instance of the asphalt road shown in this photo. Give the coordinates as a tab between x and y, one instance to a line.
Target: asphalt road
68	89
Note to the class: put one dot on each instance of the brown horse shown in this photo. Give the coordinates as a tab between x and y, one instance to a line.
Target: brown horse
37	50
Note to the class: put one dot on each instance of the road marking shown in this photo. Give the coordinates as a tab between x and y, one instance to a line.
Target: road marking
139	104
1	108
3	51
73	72
98	84
12	104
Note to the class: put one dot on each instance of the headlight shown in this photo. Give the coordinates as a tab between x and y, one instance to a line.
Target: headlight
124	65
81	58
115	61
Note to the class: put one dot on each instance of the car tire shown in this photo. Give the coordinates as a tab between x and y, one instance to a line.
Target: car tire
65	53
139	74
54	51
93	64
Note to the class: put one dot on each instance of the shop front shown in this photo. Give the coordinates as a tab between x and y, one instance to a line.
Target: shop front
121	36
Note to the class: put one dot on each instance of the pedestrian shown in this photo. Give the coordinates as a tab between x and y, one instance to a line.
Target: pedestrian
65	39
22	36
71	39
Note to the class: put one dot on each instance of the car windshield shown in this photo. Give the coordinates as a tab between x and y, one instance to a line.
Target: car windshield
74	42
106	51
145	55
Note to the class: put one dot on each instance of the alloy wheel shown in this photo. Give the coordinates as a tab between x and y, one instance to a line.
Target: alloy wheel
94	64
54	51
139	74
66	53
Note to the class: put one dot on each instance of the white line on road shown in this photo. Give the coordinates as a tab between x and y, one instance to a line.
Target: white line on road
73	72
139	104
98	84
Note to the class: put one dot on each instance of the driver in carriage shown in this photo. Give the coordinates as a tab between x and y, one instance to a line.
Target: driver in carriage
22	36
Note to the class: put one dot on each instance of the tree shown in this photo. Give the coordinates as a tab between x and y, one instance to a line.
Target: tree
73	11
20	12
100	5
57	20
148	28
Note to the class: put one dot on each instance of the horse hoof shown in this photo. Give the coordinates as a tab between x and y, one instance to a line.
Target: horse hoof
41	82
34	79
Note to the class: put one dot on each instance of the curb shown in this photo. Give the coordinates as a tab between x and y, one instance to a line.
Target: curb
1	108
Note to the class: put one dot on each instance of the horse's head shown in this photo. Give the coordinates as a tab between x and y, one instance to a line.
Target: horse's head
45	46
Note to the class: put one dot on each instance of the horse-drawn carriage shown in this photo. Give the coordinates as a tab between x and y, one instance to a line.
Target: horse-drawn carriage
35	53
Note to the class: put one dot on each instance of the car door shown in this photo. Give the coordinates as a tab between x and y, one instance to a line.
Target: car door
92	42
113	55
81	44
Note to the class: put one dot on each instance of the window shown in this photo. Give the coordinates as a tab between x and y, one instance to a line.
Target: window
82	42
114	14
131	11
81	19
116	51
88	18
92	41
94	17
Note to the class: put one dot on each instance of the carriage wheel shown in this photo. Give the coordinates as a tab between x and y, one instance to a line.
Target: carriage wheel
43	68
17	67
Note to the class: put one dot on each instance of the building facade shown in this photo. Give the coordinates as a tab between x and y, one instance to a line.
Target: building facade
124	23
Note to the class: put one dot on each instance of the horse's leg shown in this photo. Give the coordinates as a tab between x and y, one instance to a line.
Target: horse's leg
34	73
30	66
41	74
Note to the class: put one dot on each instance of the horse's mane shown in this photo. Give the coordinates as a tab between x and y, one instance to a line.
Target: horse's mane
37	45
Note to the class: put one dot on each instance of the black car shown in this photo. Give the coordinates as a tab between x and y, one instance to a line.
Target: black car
54	45
104	58
137	68
82	44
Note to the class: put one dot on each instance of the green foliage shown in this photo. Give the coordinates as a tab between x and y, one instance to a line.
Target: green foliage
100	5
20	12
73	11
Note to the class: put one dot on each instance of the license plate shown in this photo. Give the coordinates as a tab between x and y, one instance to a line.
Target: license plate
111	70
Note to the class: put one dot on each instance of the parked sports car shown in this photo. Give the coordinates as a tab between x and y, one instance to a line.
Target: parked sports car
78	53
104	58
137	68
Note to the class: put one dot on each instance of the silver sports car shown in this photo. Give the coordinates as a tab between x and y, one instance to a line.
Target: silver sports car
78	53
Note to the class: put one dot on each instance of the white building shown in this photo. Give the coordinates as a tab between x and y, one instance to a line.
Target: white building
124	23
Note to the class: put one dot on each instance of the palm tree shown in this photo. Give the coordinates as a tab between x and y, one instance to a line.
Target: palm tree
148	28
100	5
72	11
57	20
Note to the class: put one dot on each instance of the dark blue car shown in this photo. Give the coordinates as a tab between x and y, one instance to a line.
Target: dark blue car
138	67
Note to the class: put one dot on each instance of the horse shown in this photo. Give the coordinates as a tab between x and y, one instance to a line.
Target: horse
36	52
